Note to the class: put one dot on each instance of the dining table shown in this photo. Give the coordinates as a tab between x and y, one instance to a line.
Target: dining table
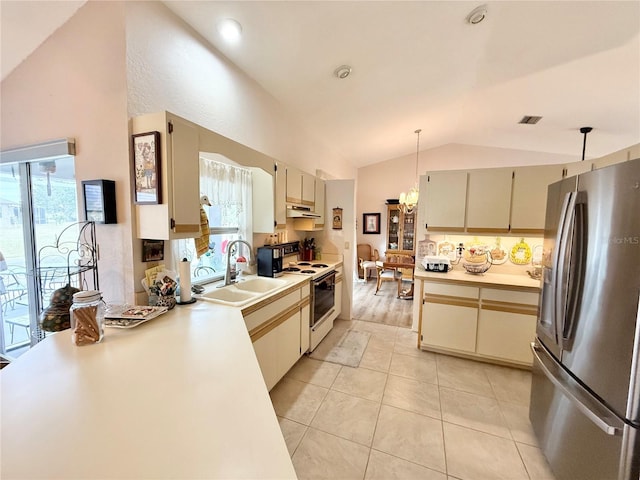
405	294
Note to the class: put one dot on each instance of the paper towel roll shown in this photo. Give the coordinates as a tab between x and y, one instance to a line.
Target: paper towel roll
185	281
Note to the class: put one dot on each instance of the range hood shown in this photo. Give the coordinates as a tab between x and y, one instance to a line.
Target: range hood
300	212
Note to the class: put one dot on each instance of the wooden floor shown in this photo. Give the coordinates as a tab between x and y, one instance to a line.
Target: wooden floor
384	307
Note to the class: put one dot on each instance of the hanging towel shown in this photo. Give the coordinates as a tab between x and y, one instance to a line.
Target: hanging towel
202	242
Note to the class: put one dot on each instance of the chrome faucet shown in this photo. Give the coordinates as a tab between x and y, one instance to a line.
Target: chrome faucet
228	279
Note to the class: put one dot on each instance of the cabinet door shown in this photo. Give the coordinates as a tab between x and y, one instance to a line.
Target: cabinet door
407	231
529	200
265	348
319	202
576	168
281	196
449	326
305	329
294	185
393	227
446	197
338	298
506	335
185	177
489	200
308	190
287	344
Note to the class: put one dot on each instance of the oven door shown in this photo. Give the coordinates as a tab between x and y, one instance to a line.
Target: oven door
323	297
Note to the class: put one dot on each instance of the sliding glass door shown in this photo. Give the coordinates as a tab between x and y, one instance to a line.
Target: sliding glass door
37	201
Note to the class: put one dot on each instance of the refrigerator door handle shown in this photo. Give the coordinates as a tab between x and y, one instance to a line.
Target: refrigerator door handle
559	264
573	392
575	258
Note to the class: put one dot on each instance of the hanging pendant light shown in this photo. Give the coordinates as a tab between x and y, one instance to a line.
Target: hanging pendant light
409	201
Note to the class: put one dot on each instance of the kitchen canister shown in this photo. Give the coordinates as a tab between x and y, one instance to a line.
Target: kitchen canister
87	317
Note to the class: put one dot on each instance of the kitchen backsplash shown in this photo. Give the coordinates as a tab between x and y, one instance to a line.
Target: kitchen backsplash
511	254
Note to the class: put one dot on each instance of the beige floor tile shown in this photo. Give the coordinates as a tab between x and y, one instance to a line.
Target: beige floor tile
421	368
465	375
376	358
314	371
511	385
382	341
473	411
387	467
296	400
412	395
473	455
376	328
535	462
292	433
517	417
346	416
410	436
411	350
406	336
321	455
361	382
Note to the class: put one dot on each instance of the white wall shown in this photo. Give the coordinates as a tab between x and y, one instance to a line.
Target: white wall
74	85
341	193
170	67
376	183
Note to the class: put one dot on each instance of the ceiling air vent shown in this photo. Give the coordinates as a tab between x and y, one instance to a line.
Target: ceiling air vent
529	120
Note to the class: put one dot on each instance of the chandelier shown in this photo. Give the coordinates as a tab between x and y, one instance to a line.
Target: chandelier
408	201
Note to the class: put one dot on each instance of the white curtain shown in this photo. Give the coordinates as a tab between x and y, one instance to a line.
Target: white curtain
229	190
229	187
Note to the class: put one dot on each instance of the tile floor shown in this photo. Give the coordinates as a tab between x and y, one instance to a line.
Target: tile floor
407	414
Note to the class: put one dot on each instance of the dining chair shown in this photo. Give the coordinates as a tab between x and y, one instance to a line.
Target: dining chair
367	257
386	275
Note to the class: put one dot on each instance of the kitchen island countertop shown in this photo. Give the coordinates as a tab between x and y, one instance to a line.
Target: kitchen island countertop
497	280
181	396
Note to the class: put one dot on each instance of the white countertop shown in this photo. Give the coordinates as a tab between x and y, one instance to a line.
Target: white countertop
180	396
489	279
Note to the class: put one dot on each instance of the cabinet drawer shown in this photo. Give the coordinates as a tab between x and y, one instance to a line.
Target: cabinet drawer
509	296
266	313
451	290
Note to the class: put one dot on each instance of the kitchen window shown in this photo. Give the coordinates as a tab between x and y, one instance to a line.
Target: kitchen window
228	188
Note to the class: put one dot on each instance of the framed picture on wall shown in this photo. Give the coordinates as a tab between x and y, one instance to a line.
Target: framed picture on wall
370	223
146	168
152	250
337	218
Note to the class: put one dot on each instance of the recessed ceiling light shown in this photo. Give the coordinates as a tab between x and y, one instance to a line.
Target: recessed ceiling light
230	29
477	15
343	71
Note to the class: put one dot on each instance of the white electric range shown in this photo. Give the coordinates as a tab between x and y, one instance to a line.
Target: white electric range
323	309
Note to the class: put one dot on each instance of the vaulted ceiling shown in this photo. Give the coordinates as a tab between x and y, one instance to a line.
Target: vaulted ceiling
420	64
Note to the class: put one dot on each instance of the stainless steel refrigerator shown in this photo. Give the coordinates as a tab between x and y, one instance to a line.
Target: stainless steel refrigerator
585	393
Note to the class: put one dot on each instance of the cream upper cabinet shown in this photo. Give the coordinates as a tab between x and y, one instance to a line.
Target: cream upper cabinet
320	186
528	203
308	190
281	195
489	200
178	214
624	155
445	201
294	185
576	168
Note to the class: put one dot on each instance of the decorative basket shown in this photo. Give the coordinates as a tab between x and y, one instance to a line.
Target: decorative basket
476	268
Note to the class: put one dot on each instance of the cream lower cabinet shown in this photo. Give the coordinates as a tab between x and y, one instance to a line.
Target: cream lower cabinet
450	317
276	329
493	324
338	289
507	324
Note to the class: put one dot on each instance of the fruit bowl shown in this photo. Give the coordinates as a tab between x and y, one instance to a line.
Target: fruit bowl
476	268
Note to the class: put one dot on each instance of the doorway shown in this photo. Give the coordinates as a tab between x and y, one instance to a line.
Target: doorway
38	199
